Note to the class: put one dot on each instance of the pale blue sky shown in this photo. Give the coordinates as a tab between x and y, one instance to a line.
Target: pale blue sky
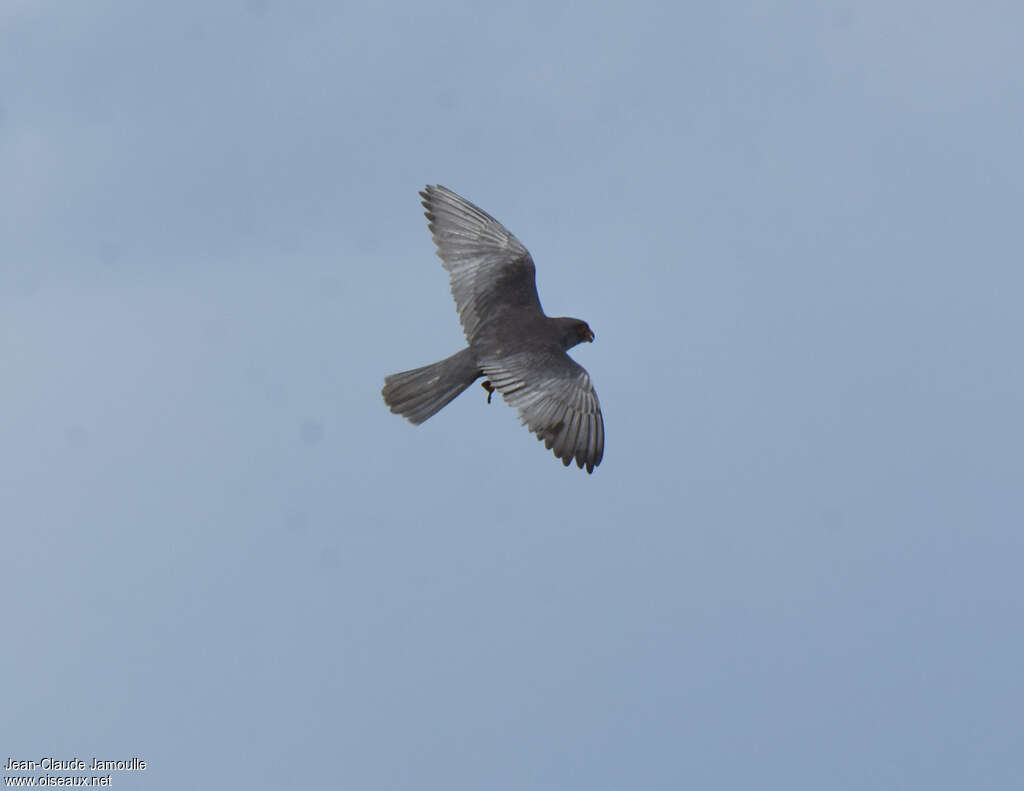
796	233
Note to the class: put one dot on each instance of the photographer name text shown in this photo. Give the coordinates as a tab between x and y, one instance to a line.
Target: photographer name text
74	765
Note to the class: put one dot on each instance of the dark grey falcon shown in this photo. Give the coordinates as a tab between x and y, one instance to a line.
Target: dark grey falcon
519	350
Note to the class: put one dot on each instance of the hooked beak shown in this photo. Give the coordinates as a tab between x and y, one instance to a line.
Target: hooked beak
589	335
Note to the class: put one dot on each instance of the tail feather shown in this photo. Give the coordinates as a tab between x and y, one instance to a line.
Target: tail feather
420	393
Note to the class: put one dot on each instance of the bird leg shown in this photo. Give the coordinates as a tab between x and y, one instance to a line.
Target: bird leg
486	385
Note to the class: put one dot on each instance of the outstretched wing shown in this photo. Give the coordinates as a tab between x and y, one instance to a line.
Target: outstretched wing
491	272
556	401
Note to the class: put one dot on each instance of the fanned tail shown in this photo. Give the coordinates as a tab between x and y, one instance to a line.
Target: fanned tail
422	392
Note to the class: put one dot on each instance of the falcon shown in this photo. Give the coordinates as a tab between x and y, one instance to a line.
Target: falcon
512	344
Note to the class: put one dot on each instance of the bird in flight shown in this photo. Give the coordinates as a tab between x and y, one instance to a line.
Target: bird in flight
518	350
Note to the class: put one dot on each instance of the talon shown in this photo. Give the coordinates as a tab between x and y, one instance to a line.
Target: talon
486	385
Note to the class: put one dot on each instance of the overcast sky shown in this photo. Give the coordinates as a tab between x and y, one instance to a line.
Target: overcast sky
796	231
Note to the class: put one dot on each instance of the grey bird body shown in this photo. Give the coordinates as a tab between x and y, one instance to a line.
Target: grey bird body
521	351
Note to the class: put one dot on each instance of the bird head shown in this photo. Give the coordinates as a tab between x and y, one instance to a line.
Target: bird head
574	331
